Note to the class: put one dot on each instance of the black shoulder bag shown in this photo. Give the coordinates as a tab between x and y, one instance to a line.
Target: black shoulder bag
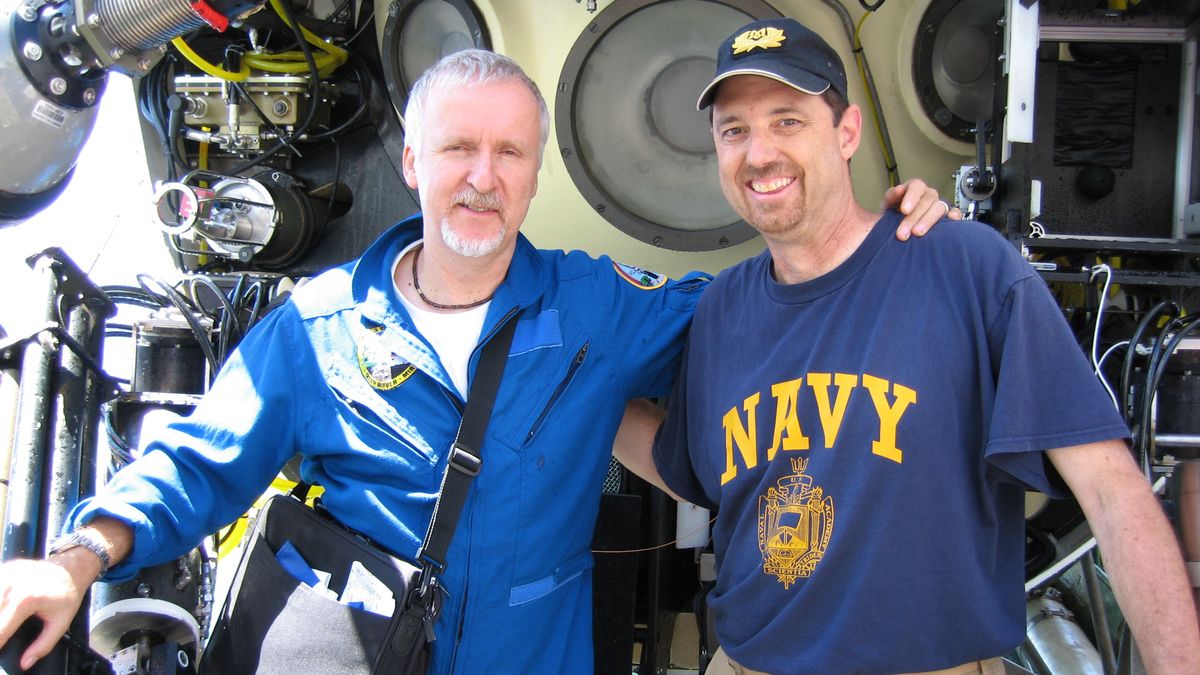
273	623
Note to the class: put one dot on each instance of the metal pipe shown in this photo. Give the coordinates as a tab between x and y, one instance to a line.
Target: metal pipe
74	405
69	405
97	390
22	517
1177	440
1183	145
1104	642
10	390
885	137
1054	642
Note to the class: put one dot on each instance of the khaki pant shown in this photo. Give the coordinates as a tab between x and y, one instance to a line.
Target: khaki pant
723	665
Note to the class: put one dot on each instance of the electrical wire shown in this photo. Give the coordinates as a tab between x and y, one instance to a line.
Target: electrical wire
333	189
208	68
1165	309
153	107
226	322
133	295
1096	361
860	60
258	289
367	9
314	85
1099	365
364	95
1169	338
293	62
188	312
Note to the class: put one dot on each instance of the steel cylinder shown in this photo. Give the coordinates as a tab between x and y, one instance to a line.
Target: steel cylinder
1055	642
141	25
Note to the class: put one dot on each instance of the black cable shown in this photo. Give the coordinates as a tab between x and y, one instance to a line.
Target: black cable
314	91
226	322
229	339
120	448
152	104
118	330
260	291
1142	426
1154	376
1128	400
319	28
871	7
367	8
337	175
131	295
364	95
226	304
188	313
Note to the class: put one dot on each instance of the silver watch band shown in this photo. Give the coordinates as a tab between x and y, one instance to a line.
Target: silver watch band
88	539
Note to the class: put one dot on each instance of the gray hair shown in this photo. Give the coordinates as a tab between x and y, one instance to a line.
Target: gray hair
461	69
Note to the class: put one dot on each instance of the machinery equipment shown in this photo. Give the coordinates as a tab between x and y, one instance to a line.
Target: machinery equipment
274	132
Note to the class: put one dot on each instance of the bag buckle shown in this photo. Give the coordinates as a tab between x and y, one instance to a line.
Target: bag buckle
465	461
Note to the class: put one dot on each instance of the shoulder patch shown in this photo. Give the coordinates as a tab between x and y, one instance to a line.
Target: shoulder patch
383	369
643	279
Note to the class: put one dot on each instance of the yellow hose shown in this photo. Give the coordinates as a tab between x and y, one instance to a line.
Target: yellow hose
196	60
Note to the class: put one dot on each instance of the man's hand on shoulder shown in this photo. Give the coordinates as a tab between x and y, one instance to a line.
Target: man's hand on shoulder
920	205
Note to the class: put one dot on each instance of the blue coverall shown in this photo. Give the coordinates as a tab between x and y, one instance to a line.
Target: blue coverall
327	375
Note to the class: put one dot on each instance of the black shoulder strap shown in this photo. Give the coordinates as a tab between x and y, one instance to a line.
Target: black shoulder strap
465	461
412	623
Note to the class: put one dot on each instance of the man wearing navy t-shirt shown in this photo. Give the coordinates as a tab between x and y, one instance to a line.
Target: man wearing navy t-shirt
867	415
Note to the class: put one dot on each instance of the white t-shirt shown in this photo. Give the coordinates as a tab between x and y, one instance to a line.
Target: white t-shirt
453	336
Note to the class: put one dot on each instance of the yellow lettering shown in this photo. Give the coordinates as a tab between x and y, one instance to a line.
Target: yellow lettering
745	437
787	422
889	415
832	416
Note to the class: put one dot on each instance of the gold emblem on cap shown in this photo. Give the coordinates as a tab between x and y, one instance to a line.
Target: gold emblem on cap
763	38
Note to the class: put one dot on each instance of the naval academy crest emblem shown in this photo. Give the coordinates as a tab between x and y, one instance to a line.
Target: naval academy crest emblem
795	522
763	38
383	369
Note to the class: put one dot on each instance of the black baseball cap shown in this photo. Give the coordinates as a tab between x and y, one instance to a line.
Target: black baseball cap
782	50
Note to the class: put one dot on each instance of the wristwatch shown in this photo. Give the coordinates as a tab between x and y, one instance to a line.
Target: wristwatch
88	539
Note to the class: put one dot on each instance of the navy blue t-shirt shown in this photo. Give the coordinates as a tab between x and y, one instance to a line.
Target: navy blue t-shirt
868	437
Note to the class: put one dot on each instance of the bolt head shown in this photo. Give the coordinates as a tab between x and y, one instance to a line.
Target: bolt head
89	96
58	86
93	19
32	51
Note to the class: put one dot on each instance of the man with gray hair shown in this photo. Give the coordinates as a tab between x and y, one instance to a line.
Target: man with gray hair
364	373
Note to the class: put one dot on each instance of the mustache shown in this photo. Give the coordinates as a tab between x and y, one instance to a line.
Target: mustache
769	170
478	200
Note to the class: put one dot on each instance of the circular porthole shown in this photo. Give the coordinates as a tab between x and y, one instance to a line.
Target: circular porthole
417	33
628	129
954	63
